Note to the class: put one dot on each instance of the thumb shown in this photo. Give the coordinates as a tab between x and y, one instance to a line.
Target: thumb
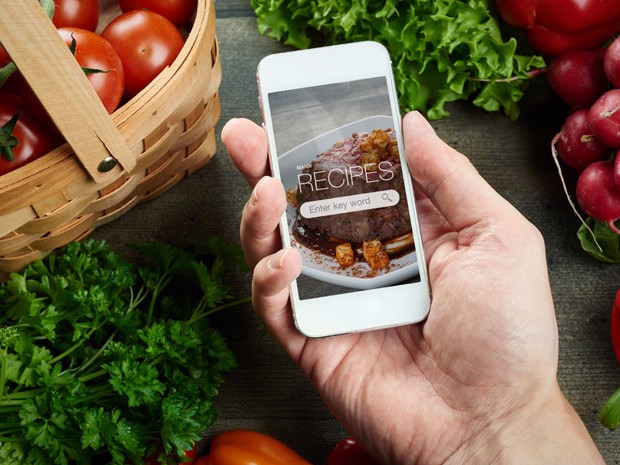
448	178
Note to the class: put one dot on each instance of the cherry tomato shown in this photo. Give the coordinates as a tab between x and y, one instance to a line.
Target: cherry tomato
178	12
83	14
146	42
349	452
29	139
94	52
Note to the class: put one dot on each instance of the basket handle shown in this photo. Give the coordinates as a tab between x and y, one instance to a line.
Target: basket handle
46	63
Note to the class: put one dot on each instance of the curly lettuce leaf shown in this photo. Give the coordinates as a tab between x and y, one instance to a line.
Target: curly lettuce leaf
442	51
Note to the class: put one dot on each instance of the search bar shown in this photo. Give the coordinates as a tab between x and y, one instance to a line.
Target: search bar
349	203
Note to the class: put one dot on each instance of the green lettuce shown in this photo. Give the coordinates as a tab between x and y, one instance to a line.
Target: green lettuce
442	50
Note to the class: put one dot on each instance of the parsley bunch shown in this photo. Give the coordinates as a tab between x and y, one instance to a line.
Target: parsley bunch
102	362
442	50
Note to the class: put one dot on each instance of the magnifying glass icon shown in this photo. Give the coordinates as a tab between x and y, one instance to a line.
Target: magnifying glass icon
386	197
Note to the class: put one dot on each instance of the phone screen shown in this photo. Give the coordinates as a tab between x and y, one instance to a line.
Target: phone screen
347	205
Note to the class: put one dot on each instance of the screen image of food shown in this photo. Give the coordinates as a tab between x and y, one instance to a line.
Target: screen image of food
358	165
347	208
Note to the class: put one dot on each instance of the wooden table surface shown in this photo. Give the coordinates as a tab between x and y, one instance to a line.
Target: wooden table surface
267	392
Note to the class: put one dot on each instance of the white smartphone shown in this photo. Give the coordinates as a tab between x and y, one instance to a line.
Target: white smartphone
334	130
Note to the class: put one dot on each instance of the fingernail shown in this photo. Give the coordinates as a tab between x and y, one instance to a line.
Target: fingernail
421	118
276	261
254	196
225	130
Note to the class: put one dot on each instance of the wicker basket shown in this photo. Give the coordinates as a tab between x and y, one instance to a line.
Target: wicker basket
163	134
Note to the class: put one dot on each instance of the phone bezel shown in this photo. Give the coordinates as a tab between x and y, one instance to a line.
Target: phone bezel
364	309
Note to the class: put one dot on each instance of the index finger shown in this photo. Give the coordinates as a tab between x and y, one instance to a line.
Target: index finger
447	177
247	146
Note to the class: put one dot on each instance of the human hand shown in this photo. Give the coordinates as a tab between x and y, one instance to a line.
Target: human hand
476	382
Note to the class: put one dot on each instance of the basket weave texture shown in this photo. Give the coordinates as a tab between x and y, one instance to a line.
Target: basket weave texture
169	130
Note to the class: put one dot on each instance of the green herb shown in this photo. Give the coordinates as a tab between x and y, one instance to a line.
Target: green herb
101	361
606	247
442	51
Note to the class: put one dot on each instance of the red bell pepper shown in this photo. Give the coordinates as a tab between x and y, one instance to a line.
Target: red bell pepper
615	326
555	26
610	412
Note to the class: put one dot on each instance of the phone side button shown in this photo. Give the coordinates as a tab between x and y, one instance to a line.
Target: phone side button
262	110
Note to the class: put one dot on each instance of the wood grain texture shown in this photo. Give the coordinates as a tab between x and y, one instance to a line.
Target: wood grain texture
267	392
169	129
62	87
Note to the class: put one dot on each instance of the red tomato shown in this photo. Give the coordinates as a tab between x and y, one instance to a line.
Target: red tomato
7	74
178	12
349	452
31	101
83	14
146	42
11	85
4	57
93	51
33	137
203	461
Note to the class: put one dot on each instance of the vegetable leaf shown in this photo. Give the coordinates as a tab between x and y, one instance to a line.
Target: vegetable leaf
214	289
166	258
608	240
610	413
179	423
442	51
119	436
100	360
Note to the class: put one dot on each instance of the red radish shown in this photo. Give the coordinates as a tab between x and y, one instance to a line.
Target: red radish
598	194
611	62
604	118
578	76
577	146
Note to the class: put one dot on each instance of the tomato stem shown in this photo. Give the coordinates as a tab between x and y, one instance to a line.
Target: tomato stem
86	71
48	7
6	71
7	140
